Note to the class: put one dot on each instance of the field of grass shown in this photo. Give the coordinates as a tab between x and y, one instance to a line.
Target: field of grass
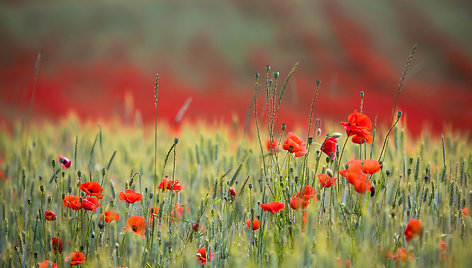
227	177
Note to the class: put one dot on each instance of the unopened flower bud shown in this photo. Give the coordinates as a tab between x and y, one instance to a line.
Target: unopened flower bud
276	75
336	135
329	172
283	126
399	114
318	132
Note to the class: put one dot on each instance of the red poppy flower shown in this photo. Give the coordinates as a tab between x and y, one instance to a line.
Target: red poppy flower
72	202
403	255
2	175
358	125
75	258
412	229
49	215
203	257
56	245
90	203
355	176
329	147
369	166
273	207
110	216
255	225
295	144
65	162
170	185
130	196
232	193
307	193
92	188
298	202
154	211
347	262
137	225
271	146
47	264
442	245
326	181
465	212
179	209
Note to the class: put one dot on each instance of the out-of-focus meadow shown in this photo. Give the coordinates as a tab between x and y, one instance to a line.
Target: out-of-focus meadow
106	53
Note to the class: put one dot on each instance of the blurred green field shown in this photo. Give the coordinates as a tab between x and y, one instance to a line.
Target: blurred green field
210	160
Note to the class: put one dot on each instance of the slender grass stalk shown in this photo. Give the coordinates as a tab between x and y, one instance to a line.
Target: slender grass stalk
313	107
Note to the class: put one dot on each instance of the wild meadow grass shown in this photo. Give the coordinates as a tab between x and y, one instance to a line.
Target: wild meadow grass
227	177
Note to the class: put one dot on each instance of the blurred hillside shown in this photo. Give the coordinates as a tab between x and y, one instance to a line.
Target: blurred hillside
100	58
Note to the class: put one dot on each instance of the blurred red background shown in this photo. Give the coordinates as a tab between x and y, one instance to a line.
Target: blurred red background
99	58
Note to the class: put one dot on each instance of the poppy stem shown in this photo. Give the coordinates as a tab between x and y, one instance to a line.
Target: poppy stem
384	146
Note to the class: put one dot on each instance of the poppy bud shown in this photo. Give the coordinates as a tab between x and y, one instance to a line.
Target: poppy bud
387	172
41	188
53	163
50	198
318	82
257	75
329	172
276	75
426	178
117	246
336	135
176	140
93	234
399	114
36	255
40	178
101	225
372	191
283	126
310	140
79	174
250	185
70	190
103	172
151	195
196	227
318	132
267	68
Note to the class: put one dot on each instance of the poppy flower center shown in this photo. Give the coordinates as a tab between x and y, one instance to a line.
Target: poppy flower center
135	228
